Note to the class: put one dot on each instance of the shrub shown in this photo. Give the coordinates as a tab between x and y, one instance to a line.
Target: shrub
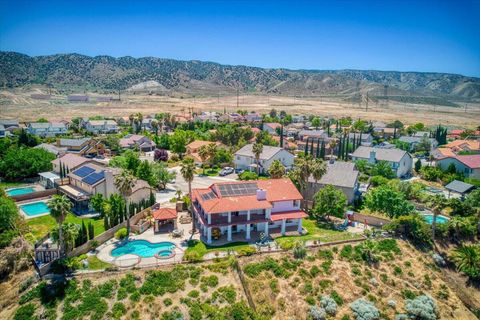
118	310
397	270
211	281
246	251
335	296
299	250
25	312
167	302
135	296
408	294
422	307
329	305
392	304
314	271
364	310
317	313
194	294
121	233
274	286
248	175
225	294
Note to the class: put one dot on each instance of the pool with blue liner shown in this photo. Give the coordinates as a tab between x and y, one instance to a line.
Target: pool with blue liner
144	249
35	209
19	191
440	219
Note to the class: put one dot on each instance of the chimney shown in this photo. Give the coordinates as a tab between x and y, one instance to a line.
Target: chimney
373	154
261	194
109	184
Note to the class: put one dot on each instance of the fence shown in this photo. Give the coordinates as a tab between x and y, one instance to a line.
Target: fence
370	220
34	195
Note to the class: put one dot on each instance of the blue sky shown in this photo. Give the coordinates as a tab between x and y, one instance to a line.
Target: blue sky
438	36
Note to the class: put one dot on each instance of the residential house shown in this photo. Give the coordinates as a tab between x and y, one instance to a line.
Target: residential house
365	138
58	152
132	141
414	141
206	116
7	126
341	175
469	165
78	98
101	126
400	160
288	143
46	129
457	134
271	127
91	179
253	117
245	159
232	117
64	164
457	147
241	208
82	146
303	135
298	118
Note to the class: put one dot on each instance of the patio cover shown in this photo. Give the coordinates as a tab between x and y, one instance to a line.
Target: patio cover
165	214
459	187
52	176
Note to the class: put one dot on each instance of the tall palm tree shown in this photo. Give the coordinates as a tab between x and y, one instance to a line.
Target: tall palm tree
467	260
333	144
155	125
257	150
304	167
187	170
124	182
319	168
204	154
60	206
437	203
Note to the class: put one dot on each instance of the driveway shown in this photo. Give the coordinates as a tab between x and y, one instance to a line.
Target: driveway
181	184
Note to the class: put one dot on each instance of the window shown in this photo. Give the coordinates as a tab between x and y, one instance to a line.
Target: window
295	203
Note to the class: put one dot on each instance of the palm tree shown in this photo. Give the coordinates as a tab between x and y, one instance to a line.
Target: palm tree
333	144
155	125
257	150
467	260
70	234
304	166
276	170
456	223
319	168
124	182
437	203
187	171
204	154
60	206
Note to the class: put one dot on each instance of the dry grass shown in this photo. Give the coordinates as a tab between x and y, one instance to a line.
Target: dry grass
18	104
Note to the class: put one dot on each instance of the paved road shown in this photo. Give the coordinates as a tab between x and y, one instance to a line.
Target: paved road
181	184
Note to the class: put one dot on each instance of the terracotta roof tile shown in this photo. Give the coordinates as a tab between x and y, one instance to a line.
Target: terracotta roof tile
165	214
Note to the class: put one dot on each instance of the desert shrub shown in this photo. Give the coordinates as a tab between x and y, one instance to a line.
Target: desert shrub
408	294
25	284
299	250
388	245
335	296
326	266
159	282
118	310
346	252
167	302
392	304
401	316
364	310
325	254
397	270
314	271
443	292
135	296
274	286
356	271
324	283
310	300
246	251
211	281
25	312
422	307
317	313
329	305
194	294
121	293
121	233
269	264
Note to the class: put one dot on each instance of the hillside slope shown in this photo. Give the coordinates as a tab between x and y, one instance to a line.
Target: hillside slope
73	71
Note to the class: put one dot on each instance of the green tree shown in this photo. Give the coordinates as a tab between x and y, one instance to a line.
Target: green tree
178	141
145	172
388	201
187	170
437	203
329	201
418	165
316	122
467	260
276	170
124	182
70	232
21	163
8	220
60	206
257	150
161	175
384	169
319	168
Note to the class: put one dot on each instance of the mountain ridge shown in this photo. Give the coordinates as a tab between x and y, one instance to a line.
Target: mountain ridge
103	72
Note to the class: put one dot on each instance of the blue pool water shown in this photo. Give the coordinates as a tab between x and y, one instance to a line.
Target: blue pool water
144	249
35	208
429	218
19	191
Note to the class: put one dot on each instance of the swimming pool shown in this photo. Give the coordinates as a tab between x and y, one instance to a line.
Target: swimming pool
35	208
429	218
19	191
144	249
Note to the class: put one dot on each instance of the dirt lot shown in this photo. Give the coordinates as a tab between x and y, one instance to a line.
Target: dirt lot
18	104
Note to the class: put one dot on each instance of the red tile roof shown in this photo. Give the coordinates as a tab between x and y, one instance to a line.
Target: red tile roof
276	190
165	214
273	125
288	215
472	161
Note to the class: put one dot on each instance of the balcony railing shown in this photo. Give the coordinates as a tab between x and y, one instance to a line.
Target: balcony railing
216	219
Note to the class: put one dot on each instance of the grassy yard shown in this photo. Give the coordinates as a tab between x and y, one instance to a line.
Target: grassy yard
42	225
211	172
198	249
96	264
6	185
320	232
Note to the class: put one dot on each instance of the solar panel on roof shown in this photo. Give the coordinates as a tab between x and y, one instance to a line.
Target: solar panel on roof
94	178
83	171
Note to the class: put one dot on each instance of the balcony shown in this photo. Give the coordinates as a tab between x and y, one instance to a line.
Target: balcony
218	220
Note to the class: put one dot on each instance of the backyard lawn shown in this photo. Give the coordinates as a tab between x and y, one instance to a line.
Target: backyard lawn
319	232
42	225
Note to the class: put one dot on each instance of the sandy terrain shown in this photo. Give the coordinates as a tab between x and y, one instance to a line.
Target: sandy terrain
18	104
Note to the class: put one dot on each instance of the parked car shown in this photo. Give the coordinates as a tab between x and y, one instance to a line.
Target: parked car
226	171
239	171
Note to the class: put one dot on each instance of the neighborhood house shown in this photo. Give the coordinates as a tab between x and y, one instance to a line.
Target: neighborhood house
245	158
400	160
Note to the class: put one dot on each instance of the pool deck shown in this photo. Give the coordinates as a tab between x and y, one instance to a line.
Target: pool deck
131	260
